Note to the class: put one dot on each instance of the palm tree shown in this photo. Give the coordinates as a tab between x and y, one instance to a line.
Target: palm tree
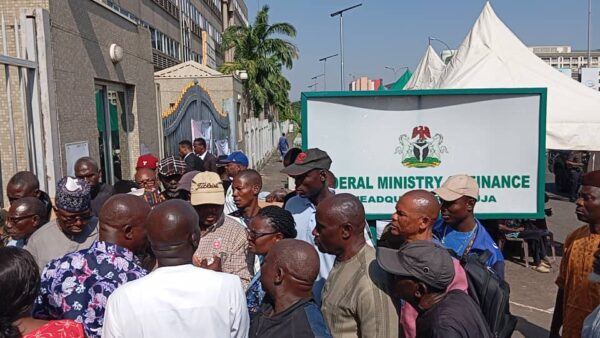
262	54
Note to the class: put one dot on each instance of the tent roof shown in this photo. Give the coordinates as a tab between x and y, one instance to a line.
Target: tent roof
428	71
401	82
491	56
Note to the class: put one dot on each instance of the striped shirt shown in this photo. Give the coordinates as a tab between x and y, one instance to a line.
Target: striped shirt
365	309
227	239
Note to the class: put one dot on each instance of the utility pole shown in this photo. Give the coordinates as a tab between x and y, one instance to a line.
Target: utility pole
324	60
589	52
341	15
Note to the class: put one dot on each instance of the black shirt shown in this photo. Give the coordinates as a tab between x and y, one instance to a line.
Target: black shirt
47	203
105	191
455	316
301	320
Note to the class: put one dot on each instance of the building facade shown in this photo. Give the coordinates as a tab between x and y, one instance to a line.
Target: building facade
185	30
89	92
564	59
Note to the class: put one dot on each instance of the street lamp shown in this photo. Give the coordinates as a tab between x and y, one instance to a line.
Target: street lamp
324	60
431	38
395	70
341	14
316	77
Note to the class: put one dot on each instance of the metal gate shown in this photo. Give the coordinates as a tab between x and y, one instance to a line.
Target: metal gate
25	104
195	104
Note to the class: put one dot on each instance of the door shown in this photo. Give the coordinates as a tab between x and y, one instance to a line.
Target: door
115	123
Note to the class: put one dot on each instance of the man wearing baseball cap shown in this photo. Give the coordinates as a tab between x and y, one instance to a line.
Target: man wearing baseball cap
170	171
458	229
309	171
235	163
223	244
422	272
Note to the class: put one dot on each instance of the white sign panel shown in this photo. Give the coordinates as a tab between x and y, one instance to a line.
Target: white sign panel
73	152
383	145
590	77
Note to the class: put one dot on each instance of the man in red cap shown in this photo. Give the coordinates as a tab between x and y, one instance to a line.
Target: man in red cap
147	161
577	296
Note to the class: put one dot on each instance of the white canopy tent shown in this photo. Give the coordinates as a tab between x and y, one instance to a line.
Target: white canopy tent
428	71
491	56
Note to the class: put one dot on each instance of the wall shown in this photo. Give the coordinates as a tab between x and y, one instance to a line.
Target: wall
82	32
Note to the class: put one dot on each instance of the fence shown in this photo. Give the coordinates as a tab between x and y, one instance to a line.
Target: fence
260	139
26	141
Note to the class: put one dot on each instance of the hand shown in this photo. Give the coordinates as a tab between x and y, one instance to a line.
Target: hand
215	265
521	229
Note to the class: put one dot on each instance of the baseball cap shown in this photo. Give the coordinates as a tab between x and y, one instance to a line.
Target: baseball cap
458	186
236	157
170	165
147	161
422	260
310	159
207	188
185	183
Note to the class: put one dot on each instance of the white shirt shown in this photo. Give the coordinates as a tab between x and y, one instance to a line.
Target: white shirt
229	203
202	156
178	301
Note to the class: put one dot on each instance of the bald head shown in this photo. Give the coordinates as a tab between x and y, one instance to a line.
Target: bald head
347	209
29	206
423	202
289	270
22	184
298	258
173	232
250	176
122	222
416	212
25	216
87	161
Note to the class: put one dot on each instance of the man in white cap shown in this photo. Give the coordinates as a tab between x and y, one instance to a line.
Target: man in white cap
458	229
223	245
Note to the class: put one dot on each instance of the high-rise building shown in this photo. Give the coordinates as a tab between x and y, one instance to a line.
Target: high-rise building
184	30
564	58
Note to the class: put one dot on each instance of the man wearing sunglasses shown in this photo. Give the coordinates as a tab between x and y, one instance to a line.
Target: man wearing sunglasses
25	216
74	229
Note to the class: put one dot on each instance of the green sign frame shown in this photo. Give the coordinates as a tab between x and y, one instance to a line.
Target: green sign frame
541	172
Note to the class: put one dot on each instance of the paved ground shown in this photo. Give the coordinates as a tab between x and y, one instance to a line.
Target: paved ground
532	293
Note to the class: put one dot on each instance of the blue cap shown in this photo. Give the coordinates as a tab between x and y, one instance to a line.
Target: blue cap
236	157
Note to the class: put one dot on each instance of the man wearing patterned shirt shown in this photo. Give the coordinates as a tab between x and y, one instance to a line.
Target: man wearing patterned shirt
223	246
77	285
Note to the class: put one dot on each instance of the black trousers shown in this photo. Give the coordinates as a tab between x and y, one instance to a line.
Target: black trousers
575	176
537	241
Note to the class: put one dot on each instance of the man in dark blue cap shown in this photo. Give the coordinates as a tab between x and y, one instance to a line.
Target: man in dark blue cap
422	271
234	164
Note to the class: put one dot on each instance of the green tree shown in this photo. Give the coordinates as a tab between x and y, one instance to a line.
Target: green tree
262	54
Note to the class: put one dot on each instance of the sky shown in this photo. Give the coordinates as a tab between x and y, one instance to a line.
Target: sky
394	33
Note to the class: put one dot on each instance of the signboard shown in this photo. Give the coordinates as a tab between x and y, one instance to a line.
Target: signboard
384	144
590	77
73	152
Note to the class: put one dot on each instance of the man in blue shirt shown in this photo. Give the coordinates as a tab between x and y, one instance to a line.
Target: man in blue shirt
458	229
283	145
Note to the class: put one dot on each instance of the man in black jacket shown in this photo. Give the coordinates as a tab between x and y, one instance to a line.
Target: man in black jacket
287	276
192	161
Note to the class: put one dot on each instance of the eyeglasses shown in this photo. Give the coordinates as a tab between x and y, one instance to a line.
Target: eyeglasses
256	235
73	219
17	219
147	181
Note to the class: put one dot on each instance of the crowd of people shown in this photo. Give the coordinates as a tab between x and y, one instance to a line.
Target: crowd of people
203	256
